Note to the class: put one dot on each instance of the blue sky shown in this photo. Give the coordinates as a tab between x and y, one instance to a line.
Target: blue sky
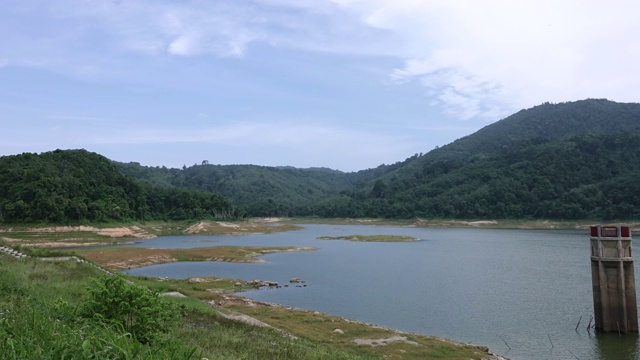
344	84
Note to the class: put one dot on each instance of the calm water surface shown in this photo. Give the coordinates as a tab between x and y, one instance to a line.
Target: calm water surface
520	292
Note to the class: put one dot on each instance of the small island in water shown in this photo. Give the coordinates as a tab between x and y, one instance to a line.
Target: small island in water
371	238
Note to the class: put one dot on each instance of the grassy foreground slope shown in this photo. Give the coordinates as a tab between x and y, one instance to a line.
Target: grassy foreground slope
34	326
39	319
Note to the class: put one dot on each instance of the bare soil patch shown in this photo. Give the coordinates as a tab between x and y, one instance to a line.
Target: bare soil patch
384	342
116	232
176	294
253	226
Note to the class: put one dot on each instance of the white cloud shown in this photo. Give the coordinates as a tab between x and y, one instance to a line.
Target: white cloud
491	57
183	45
476	59
459	94
191	27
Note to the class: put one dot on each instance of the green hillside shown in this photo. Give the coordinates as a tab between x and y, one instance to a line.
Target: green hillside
77	185
562	161
260	190
575	160
570	160
589	176
540	124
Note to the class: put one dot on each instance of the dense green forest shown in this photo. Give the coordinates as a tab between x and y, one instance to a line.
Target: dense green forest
77	185
558	161
570	160
574	160
260	190
588	176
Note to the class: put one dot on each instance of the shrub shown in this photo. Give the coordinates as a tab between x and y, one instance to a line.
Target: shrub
138	310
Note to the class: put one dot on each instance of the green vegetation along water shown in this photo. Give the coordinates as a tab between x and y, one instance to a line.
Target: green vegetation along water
52	310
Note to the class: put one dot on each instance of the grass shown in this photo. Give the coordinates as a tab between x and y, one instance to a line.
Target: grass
371	238
197	289
37	304
38	300
319	328
37	321
228	339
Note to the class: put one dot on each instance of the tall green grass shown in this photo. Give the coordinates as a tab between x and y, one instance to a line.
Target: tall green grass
39	319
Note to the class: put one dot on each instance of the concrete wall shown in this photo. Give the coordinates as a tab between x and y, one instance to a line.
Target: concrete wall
613	281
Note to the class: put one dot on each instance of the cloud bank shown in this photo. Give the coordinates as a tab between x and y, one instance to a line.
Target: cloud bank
489	58
475	59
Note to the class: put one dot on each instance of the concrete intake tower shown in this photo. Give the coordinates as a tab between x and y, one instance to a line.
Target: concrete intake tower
613	279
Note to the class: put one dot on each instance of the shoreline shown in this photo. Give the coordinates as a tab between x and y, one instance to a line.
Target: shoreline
539	225
239	300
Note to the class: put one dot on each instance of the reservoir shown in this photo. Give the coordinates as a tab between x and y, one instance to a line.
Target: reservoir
519	292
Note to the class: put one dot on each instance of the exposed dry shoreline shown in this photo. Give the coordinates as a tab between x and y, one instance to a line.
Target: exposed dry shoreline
385	336
451	223
88	235
73	236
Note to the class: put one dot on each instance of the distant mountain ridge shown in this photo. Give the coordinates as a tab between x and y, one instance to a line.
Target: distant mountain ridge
574	160
444	182
545	122
490	173
77	186
261	190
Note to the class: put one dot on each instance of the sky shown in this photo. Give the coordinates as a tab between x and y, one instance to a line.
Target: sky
342	84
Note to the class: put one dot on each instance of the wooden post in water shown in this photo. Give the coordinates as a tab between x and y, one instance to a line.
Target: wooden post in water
613	279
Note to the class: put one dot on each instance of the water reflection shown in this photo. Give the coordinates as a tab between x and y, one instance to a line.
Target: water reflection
615	347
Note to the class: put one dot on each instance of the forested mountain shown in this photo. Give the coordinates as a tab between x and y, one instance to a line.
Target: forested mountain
543	123
261	190
561	161
570	160
573	160
77	185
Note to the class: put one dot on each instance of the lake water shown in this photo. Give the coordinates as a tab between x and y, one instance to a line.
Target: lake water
520	292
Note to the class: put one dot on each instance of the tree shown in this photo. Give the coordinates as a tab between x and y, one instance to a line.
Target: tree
378	189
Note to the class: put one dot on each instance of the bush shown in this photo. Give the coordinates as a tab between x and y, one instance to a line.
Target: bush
33	329
137	309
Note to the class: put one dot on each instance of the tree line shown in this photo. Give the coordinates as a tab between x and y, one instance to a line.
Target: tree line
575	160
77	185
584	177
